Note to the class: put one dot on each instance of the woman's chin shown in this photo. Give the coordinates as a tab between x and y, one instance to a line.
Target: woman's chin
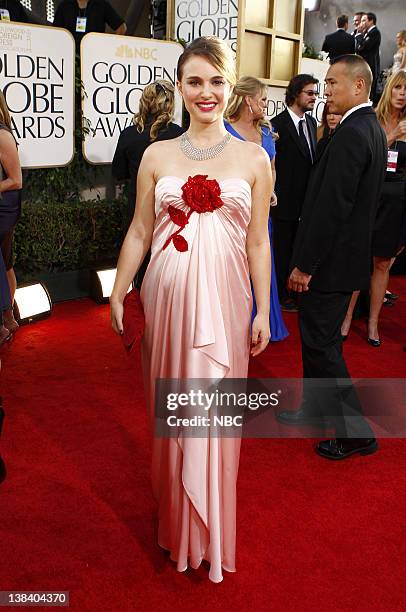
206	117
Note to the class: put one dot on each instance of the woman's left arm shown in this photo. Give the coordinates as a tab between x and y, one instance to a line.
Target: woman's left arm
274	199
10	162
258	250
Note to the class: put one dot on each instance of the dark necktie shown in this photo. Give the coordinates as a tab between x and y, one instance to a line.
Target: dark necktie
304	139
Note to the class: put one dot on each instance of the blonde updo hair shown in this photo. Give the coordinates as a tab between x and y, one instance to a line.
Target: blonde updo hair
5	117
383	110
157	106
215	51
402	35
246	86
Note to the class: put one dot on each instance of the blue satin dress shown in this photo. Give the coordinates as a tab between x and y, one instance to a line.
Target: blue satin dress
276	322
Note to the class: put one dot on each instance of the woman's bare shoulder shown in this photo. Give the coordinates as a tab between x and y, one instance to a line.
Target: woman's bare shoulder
160	149
251	154
245	147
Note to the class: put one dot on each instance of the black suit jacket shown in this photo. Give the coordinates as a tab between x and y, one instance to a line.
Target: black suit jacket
338	43
131	146
368	48
333	242
292	166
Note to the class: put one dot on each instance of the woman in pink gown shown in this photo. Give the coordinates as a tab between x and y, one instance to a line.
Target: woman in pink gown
208	234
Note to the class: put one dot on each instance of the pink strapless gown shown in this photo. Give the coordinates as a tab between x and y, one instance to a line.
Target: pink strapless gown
198	308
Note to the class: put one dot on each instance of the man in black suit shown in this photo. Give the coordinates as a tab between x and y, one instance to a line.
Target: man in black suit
357	33
295	152
340	42
368	48
332	253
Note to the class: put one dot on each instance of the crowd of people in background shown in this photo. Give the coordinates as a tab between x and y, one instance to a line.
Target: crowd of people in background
79	17
365	40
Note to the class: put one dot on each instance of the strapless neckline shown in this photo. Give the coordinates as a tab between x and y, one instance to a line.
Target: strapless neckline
182	180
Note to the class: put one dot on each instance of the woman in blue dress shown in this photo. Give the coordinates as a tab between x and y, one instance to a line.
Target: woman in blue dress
246	120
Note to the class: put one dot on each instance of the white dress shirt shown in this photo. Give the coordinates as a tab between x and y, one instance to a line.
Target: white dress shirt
296	120
353	109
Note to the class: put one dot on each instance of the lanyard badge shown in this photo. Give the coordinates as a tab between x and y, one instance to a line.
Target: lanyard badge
81	24
4	14
392	161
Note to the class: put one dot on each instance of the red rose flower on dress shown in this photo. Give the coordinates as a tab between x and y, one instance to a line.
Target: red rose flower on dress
201	195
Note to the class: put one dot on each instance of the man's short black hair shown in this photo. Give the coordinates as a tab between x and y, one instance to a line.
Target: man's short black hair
342	21
357	66
371	17
296	85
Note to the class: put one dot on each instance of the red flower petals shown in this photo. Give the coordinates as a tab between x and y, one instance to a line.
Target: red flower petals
177	216
180	243
201	195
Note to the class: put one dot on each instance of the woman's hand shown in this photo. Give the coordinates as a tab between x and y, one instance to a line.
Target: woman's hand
274	199
116	315
398	133
261	334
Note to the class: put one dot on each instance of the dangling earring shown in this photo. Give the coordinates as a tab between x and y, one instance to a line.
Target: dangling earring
250	109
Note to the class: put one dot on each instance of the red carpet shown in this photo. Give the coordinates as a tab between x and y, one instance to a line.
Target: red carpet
77	512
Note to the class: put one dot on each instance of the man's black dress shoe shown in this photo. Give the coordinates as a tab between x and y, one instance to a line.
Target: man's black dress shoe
301	417
341	448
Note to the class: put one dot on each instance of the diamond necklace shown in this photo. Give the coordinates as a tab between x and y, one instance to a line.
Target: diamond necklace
198	154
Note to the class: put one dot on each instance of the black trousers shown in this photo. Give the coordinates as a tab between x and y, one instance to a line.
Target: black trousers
284	234
332	395
10	207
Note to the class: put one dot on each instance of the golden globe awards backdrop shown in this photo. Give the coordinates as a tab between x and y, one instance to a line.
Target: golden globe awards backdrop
115	70
194	18
37	80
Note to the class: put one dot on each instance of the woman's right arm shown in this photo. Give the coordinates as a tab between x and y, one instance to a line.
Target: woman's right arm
138	238
10	162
